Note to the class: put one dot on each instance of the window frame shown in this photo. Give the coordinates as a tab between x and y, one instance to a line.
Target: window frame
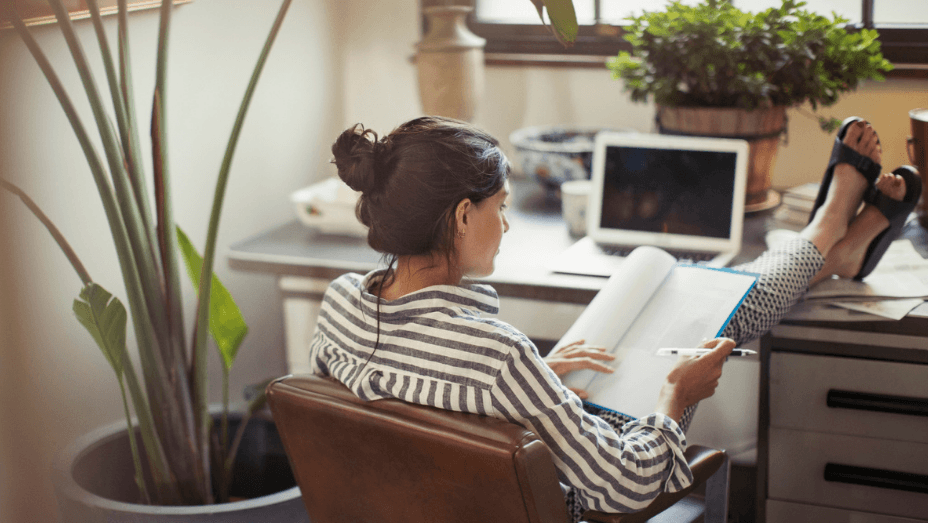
906	47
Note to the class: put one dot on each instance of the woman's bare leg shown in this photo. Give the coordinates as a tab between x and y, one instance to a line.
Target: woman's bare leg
847	187
847	256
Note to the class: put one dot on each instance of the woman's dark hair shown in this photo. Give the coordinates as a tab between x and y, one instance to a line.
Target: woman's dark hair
411	182
412	179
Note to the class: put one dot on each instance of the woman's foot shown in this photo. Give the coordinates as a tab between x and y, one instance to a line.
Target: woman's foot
845	192
847	256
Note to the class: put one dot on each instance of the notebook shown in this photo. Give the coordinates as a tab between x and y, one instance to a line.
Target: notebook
682	194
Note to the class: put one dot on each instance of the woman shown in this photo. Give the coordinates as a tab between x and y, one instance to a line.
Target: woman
434	196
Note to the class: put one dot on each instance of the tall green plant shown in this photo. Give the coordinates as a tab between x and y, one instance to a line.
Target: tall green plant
170	400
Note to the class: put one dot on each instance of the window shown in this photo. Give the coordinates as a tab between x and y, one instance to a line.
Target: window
513	27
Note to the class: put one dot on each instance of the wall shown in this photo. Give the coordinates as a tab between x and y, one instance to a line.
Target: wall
54	382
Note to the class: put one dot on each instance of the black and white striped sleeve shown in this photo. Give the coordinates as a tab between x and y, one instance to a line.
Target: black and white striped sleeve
611	472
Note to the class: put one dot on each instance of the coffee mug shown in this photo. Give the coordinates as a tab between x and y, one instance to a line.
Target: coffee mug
917	146
918	143
574	196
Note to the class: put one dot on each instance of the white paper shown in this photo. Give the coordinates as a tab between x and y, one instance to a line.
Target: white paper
901	256
921	311
823	311
892	309
606	319
911	284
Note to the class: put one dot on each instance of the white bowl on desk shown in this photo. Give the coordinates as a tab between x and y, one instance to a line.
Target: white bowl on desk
329	206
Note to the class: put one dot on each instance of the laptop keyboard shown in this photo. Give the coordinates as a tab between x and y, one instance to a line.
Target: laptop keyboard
680	255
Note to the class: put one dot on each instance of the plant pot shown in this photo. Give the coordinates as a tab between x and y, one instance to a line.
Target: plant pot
94	482
761	128
449	61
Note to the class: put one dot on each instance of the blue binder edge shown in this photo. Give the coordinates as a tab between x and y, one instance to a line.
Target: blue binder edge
732	271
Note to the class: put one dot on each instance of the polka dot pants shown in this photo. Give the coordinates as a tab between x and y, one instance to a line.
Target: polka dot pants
783	278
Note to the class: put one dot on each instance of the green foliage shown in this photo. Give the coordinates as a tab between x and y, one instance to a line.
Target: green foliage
563	19
170	403
104	317
226	324
716	55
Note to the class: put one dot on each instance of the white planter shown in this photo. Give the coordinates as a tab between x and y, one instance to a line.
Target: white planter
94	482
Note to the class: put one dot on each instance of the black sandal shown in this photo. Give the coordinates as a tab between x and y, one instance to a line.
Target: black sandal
841	153
896	211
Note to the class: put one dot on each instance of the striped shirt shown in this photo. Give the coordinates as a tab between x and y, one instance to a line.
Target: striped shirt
437	348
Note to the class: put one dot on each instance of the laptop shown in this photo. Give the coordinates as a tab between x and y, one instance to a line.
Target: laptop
680	193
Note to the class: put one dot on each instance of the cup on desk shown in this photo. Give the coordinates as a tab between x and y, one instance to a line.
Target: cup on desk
574	197
917	146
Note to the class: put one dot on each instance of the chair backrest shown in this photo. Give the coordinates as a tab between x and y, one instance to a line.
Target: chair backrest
390	461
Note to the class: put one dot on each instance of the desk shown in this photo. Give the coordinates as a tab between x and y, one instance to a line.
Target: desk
544	305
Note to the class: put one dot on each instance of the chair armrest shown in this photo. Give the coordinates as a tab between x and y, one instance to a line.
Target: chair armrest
703	461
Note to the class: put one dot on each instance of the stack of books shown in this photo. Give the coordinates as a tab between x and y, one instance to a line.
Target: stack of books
795	207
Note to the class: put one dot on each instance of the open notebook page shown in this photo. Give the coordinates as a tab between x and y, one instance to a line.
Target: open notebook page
692	303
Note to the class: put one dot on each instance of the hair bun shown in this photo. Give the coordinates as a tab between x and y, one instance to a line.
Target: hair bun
356	151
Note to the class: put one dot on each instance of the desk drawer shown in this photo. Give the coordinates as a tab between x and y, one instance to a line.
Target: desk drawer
801	461
785	512
849	396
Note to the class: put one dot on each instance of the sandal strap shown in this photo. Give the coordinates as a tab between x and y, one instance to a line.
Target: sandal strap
886	205
841	153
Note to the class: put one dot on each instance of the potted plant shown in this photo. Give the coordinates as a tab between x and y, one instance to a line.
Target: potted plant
713	69
175	457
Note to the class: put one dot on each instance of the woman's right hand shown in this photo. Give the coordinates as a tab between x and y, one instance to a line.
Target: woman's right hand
693	378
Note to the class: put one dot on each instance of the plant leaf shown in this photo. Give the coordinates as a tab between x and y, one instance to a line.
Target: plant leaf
104	317
226	323
563	19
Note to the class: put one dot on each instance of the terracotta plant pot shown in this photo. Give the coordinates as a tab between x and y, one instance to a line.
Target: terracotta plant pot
762	128
94	482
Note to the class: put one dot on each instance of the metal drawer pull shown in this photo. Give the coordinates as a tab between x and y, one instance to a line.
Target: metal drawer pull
876	478
847	399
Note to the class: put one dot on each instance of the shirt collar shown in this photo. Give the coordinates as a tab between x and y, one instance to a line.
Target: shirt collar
467	296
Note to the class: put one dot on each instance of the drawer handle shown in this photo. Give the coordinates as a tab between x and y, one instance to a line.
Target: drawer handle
846	399
876	478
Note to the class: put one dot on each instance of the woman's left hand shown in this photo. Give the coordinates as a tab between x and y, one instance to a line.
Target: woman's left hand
578	356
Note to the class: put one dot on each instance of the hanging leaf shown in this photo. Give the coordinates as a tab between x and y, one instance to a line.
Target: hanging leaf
563	19
104	317
226	324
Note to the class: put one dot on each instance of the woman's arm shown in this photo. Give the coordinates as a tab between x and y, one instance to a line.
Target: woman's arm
612	472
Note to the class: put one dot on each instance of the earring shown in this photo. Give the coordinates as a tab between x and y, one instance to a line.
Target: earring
460	234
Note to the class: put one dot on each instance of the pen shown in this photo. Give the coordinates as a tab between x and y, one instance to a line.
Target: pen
699	352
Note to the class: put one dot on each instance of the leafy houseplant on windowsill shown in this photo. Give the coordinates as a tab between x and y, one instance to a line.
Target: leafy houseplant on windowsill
715	70
188	457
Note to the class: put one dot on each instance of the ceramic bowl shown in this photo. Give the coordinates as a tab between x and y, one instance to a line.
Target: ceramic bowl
554	154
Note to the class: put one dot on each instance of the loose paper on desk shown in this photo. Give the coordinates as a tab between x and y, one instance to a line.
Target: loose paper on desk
901	273
897	285
651	302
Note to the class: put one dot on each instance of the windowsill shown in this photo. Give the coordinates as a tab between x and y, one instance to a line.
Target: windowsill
595	62
546	60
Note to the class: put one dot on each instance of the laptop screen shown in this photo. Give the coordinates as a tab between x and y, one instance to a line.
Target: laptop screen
662	190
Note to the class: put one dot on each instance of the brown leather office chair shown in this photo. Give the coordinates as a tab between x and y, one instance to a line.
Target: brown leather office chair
390	461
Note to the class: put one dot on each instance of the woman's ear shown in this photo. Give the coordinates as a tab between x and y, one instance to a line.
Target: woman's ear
460	213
